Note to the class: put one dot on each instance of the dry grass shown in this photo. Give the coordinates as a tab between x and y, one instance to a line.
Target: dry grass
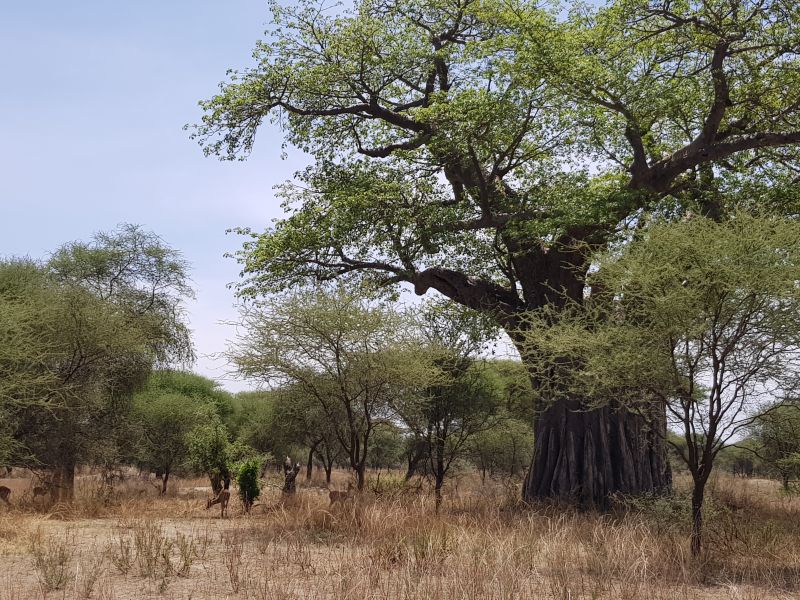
390	544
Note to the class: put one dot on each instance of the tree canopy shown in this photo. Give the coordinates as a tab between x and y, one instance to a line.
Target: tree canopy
485	150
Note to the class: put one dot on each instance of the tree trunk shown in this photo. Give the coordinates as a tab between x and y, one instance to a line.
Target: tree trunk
164	481
68	479
439	471
437	492
584	456
328	469
310	464
697	518
360	476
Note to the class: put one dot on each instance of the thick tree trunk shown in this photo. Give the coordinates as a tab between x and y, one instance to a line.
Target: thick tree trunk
164	481
583	457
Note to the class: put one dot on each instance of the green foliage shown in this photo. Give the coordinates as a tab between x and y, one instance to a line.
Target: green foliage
513	381
386	448
210	450
505	449
253	421
81	334
777	435
192	386
688	302
247	478
340	361
650	97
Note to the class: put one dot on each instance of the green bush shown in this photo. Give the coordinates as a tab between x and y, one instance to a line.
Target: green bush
247	479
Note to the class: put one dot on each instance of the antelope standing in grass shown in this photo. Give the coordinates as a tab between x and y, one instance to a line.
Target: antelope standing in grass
42	490
222	499
338	496
4	494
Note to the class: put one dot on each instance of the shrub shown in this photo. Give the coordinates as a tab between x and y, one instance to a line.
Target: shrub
247	479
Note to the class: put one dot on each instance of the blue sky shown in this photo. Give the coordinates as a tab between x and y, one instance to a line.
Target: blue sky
93	98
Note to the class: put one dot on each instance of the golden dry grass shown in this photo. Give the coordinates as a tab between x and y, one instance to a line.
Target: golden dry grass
390	544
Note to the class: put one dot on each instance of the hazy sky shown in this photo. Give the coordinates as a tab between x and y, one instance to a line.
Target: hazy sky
94	97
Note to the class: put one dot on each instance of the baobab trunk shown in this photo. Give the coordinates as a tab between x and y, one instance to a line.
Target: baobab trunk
584	456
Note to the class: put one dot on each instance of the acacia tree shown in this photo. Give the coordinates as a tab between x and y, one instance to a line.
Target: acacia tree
336	349
777	435
90	325
169	406
462	401
298	418
700	315
483	150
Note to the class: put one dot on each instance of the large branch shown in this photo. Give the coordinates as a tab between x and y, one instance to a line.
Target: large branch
660	176
478	294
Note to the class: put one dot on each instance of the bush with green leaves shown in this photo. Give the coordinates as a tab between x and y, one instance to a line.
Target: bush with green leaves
210	451
247	478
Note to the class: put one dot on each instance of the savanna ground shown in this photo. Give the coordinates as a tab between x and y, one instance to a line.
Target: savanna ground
388	543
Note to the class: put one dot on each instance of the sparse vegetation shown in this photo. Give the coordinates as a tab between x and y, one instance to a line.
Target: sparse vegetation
484	544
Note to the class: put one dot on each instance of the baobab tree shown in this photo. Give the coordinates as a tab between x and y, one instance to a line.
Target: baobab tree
483	151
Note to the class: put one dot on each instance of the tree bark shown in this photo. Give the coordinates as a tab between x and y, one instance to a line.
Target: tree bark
68	479
360	476
583	457
310	464
697	518
164	481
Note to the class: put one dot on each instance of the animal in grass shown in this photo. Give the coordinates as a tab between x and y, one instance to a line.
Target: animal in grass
5	494
339	496
42	490
222	499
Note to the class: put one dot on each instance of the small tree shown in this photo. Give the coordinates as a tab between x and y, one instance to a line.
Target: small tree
247	478
210	451
169	406
702	316
164	421
461	400
339	351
